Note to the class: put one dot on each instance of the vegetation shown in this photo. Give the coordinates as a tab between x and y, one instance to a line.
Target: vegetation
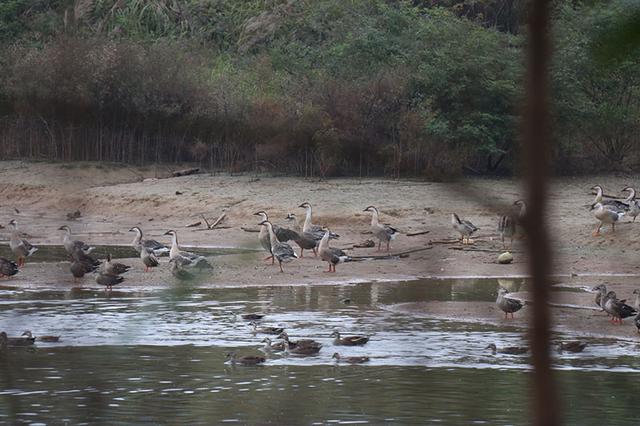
315	88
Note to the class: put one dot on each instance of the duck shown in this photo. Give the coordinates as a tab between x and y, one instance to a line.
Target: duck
600	295
234	359
298	343
507	305
149	259
252	317
332	256
184	258
108	280
605	215
26	339
157	247
265	329
617	308
464	227
384	233
114	268
283	252
571	346
634	205
283	234
81	263
8	268
304	240
309	227
273	347
615	205
49	339
350	359
300	349
509	350
19	246
348	340
70	245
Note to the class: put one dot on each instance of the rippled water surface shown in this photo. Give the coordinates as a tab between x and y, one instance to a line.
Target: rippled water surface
158	357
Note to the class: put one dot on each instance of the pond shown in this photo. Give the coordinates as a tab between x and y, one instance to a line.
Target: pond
158	356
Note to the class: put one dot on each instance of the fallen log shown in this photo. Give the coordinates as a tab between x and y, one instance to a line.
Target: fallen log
413	234
484	250
186	172
193	225
218	220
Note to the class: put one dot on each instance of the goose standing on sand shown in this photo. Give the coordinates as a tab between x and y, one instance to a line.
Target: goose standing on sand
605	215
305	240
70	244
617	308
185	258
308	226
507	305
331	255
382	232
283	252
19	246
283	234
508	224
600	295
634	205
149	260
158	248
615	205
8	268
464	227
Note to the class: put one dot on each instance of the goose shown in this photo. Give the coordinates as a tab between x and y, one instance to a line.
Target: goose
605	215
281	251
382	232
572	346
615	205
108	280
333	256
308	226
507	305
245	360
634	205
26	339
81	263
508	224
50	339
266	329
114	268
617	308
19	246
348	340
185	258
178	270
464	227
273	347
8	268
70	244
510	350
305	240
600	295
350	359
158	248
283	235
149	260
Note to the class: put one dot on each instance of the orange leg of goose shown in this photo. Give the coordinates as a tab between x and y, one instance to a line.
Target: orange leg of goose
268	257
596	233
329	270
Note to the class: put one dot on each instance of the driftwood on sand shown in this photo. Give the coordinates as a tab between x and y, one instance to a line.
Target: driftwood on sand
186	172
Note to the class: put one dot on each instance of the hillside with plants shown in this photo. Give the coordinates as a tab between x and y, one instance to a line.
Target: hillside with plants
306	87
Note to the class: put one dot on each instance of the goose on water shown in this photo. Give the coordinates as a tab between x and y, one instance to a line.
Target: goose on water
158	248
350	359
464	227
617	308
348	340
8	268
507	305
184	258
615	205
281	251
384	233
510	350
19	246
605	215
304	240
332	256
70	244
634	205
149	260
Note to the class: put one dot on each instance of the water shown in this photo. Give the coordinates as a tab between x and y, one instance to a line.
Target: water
157	356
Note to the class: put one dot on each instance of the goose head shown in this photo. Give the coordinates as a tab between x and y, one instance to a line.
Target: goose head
136	229
65	228
28	334
492	346
13	224
171	232
370	209
335	356
305	205
290	216
263	215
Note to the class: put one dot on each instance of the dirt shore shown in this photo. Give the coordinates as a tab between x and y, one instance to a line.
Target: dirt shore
112	199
